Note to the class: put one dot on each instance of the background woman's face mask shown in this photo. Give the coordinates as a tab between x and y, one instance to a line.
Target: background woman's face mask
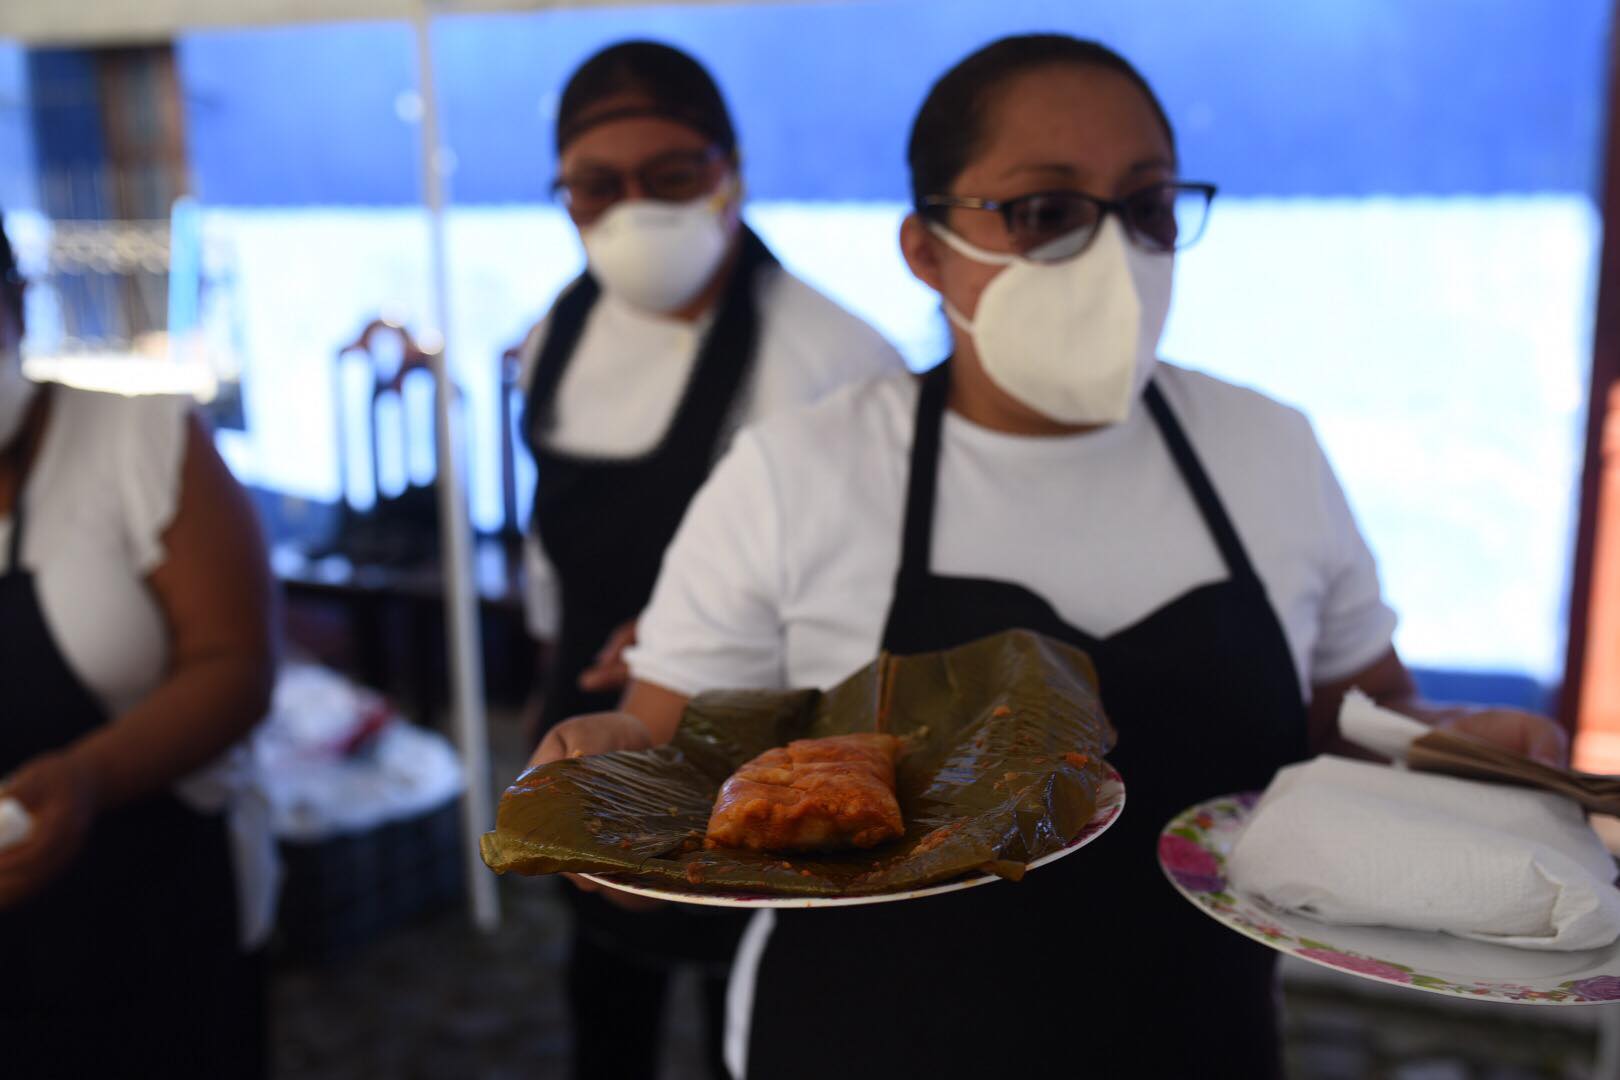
1073	340
658	256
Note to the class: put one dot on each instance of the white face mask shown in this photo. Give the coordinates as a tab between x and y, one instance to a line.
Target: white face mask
657	256
16	392
1074	340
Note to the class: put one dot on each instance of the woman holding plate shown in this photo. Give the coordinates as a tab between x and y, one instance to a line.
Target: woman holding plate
1054	475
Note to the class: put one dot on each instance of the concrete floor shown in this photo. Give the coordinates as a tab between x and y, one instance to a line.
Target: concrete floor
438	1000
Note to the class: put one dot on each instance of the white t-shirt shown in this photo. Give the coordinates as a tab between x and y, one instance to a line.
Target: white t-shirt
630	368
783	570
102	491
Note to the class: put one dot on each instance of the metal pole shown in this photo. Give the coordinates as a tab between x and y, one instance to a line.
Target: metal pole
455	540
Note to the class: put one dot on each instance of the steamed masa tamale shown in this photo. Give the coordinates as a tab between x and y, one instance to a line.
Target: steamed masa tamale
826	794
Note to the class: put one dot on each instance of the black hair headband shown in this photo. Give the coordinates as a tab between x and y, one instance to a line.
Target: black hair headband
685	117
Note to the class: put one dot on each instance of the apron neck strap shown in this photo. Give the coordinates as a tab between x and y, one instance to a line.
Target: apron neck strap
1197	480
25	452
14	541
568	317
923	479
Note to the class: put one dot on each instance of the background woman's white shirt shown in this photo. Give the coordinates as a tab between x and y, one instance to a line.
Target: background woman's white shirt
103	488
783	571
102	491
619	393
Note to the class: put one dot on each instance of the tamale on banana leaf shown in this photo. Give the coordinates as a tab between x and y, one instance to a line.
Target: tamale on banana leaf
1004	737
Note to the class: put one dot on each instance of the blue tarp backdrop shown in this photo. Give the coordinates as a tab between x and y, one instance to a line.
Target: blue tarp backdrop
1270	97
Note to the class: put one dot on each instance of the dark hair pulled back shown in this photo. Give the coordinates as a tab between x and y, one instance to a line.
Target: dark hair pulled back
674	86
951	125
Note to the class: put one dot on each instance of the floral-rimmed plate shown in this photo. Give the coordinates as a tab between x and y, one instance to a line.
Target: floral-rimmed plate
1110	802
1193	849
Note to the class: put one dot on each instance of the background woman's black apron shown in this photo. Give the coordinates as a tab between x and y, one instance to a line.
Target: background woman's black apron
1092	966
604	524
129	963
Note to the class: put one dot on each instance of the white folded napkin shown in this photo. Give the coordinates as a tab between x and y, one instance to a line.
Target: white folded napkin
15	824
1350	842
1383	731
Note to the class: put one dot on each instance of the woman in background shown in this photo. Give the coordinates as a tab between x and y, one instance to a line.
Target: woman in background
135	655
683	326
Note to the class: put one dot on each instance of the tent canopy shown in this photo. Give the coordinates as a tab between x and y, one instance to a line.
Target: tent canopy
119	22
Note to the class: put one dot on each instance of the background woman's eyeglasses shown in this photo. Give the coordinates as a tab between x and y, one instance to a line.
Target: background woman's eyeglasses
1050	226
678	176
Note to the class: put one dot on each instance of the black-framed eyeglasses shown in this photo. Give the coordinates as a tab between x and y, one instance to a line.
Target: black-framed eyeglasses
677	176
1050	226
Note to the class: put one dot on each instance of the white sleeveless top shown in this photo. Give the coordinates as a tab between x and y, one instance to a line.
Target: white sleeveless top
102	491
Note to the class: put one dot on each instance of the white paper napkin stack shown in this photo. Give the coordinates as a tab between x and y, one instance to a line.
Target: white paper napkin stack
1350	842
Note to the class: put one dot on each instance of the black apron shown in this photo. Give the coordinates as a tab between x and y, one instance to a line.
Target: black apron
128	963
1094	965
604	522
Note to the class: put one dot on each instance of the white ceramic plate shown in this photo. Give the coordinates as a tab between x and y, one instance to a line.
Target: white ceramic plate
1110	802
1193	850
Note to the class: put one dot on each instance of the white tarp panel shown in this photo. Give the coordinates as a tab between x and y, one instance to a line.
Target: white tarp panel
109	22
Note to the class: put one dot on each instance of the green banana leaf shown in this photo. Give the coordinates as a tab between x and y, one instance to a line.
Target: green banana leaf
984	783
